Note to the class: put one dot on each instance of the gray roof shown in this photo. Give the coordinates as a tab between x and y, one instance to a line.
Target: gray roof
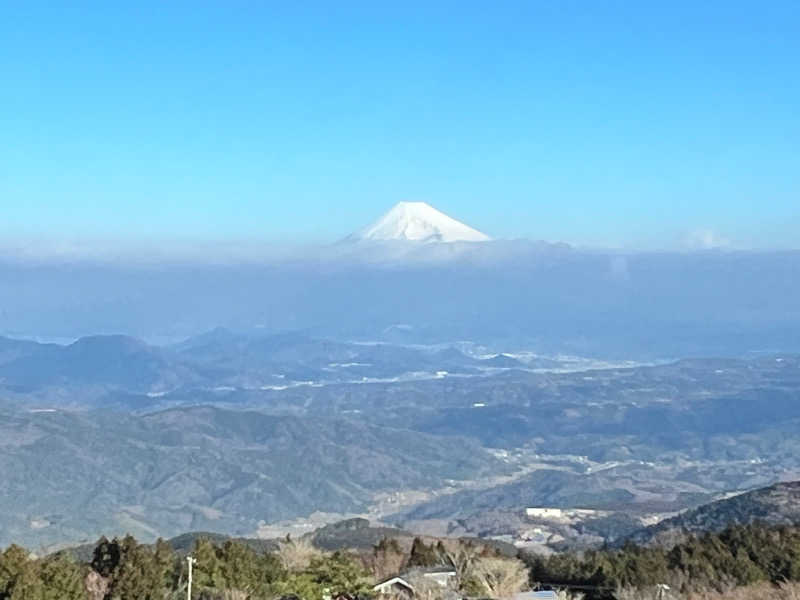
543	595
428	570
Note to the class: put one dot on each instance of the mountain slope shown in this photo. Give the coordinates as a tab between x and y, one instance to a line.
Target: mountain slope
12	349
419	222
777	504
67	477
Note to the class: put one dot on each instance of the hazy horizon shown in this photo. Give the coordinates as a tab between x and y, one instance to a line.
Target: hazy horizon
195	248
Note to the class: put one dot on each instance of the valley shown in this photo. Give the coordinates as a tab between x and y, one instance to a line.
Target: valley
267	435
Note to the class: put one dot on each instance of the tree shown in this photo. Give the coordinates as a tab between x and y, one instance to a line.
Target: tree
138	576
62	579
27	585
423	555
461	556
498	577
387	559
339	573
297	555
106	557
330	574
243	570
166	564
18	577
301	585
207	571
131	571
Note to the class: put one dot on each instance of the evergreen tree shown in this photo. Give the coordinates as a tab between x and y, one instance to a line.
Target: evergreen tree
208	571
387	558
166	564
241	569
422	555
106	556
340	573
17	574
62	578
138	576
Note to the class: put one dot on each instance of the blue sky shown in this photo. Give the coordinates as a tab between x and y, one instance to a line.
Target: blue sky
634	124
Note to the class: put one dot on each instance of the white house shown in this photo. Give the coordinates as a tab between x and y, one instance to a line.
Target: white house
396	586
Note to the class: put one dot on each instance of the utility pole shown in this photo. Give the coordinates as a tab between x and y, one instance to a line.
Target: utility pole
191	561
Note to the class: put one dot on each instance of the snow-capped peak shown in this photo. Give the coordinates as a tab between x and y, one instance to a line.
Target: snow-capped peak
419	222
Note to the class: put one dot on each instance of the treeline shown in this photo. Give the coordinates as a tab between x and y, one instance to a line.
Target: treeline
123	569
738	556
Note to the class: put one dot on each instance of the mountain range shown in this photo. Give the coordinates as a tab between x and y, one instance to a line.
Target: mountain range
502	294
221	360
70	476
226	430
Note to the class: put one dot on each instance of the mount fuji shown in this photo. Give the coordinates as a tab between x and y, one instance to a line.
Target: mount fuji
418	222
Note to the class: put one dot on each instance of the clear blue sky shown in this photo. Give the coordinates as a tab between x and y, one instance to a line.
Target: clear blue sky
622	123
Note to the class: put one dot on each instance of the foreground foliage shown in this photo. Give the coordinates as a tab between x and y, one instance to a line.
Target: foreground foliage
123	569
751	561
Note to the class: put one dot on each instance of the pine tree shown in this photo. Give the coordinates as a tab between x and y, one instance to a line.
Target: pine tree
166	564
106	556
340	573
62	579
17	573
422	555
208	573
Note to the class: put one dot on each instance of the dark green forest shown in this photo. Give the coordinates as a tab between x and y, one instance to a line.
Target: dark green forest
738	556
123	569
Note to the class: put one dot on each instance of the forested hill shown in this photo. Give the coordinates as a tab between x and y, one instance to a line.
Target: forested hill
70	476
777	504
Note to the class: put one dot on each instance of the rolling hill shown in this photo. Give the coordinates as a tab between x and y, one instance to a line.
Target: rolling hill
67	476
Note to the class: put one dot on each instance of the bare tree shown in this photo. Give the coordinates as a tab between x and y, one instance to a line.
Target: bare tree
499	577
296	555
462	557
96	586
387	559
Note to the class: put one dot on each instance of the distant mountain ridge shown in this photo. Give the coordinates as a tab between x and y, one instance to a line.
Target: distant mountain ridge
562	299
115	360
214	360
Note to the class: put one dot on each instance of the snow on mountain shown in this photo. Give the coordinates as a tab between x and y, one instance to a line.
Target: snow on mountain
418	222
